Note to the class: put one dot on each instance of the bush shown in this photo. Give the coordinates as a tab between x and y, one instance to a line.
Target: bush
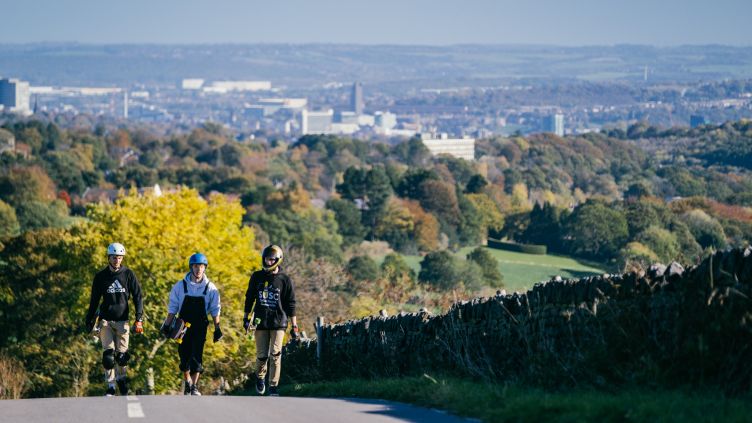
363	268
520	248
489	266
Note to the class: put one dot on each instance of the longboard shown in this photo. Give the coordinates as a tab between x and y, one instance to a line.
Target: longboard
177	329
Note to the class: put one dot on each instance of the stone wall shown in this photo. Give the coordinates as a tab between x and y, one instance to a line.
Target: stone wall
667	327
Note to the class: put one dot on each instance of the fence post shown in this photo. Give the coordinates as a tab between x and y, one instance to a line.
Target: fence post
319	336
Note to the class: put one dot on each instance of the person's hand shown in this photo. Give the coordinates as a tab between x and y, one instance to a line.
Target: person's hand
246	324
217	333
165	329
139	326
294	332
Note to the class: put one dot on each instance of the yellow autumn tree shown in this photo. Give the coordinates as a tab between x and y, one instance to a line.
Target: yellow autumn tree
160	232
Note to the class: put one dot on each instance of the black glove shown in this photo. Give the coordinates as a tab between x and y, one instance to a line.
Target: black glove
246	323
165	329
217	333
294	332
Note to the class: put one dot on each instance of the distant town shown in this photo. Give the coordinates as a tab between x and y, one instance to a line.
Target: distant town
449	115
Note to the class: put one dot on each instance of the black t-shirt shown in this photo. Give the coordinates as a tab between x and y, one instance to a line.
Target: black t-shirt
271	297
114	289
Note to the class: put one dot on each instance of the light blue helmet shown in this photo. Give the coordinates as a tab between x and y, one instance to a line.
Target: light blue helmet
198	258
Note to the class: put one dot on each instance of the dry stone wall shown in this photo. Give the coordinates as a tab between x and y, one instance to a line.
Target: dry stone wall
669	326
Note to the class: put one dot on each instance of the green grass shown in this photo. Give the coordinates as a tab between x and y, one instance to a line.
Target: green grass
521	271
501	403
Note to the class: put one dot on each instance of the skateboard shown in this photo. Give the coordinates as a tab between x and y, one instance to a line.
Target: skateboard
176	330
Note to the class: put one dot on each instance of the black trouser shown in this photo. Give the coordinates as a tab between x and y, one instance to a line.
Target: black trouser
191	350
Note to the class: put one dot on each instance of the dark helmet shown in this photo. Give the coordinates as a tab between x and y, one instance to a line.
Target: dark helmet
271	251
198	258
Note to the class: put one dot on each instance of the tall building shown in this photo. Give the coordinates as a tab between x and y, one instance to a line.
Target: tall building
15	96
554	124
356	99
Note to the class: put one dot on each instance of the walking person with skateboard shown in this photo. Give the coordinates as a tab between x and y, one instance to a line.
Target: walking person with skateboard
269	306
110	291
191	299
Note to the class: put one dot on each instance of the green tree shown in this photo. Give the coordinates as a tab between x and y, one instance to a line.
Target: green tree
489	266
41	311
444	271
363	268
348	221
394	268
707	231
596	230
662	242
9	226
476	184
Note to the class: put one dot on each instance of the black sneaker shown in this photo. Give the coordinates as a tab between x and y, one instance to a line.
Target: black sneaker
194	391
260	386
110	391
186	388
123	386
273	391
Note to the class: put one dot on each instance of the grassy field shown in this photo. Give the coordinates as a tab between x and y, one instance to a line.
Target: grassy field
521	271
491	402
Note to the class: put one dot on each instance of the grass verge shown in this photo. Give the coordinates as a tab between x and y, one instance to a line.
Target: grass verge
511	403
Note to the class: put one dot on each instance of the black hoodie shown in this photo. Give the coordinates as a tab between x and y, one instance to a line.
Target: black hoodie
114	288
271	297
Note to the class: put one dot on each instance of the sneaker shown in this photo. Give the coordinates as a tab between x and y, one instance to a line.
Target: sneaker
110	391
273	391
260	386
123	386
194	391
186	387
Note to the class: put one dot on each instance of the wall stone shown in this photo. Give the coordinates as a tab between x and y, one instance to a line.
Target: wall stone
668	326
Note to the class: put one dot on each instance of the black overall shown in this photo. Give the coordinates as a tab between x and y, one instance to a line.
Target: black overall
191	350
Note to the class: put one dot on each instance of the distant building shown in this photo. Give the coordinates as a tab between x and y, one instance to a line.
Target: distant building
554	124
192	84
346	117
384	120
222	87
356	99
316	122
15	96
269	106
696	120
463	148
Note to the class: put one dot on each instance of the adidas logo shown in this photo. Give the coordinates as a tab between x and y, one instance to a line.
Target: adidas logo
115	287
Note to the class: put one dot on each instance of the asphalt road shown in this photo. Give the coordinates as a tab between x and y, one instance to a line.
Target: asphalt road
215	409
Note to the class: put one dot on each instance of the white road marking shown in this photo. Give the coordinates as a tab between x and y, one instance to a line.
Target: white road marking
132	398
135	411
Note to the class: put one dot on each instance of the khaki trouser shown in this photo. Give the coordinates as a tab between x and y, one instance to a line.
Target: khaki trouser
264	340
114	336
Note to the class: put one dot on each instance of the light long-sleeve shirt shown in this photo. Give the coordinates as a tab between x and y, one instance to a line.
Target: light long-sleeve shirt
211	299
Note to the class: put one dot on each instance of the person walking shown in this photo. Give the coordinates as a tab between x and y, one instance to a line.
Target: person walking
110	291
191	299
270	297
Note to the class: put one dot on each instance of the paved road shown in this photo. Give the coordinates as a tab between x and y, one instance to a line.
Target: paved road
218	409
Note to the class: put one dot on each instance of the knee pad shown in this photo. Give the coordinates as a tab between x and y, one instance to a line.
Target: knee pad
108	359
122	358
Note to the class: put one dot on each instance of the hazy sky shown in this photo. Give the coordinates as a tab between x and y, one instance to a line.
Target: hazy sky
563	22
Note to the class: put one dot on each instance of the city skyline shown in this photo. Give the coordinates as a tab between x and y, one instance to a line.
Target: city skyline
420	22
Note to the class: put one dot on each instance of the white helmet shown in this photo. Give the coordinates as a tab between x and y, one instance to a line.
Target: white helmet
115	249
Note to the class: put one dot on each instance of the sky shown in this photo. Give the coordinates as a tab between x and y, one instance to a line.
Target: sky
425	22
